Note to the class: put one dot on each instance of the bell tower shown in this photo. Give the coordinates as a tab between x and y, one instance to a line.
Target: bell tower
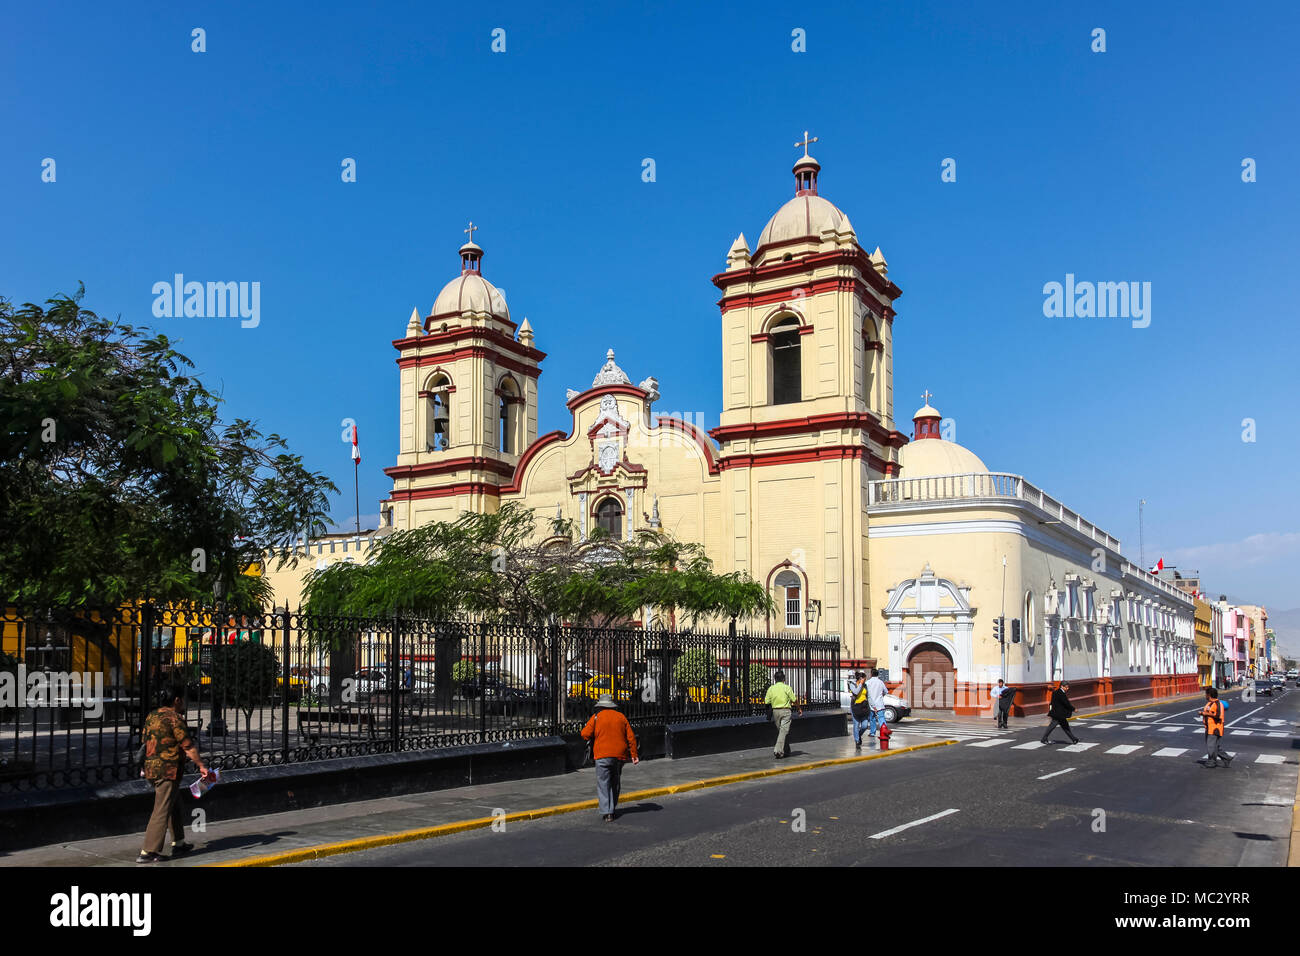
807	340
468	381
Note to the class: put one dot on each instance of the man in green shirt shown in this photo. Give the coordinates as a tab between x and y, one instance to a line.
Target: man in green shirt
781	698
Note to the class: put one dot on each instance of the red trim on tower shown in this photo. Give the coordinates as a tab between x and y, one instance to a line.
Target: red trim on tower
451	336
471	351
502	468
794	426
855	257
823	453
446	491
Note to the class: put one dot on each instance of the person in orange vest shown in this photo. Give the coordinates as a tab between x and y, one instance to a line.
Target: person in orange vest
1212	715
613	744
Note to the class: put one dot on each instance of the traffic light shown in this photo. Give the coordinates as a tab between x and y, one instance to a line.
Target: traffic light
1015	630
997	630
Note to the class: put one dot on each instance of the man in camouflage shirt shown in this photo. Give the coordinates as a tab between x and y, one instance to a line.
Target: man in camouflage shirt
167	744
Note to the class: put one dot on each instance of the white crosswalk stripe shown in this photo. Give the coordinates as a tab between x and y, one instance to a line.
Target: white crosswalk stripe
991	743
1170	752
1033	745
1076	748
1276	733
1124	749
1269	758
1241	733
1137	727
1170	730
1102	726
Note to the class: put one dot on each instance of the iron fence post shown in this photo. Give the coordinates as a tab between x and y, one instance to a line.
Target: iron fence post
395	682
146	662
553	651
482	681
288	687
744	673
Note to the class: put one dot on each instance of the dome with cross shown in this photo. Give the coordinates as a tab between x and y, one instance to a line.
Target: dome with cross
469	291
930	455
808	216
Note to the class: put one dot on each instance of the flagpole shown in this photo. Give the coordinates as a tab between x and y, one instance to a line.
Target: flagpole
356	484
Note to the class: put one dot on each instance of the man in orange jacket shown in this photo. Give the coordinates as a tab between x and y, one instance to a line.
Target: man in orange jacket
613	743
1212	715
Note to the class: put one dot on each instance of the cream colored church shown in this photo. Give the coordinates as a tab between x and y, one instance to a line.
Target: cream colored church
904	550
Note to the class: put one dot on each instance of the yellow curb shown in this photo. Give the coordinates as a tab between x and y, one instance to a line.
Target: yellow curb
447	829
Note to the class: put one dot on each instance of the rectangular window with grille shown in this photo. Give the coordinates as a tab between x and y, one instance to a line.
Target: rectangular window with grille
793	608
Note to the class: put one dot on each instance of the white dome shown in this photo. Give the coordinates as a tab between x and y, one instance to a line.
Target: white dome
470	293
804	217
934	456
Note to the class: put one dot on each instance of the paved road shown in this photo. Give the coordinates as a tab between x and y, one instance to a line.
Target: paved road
1131	794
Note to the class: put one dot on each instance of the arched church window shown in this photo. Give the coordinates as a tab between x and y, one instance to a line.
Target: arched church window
509	404
789	595
438	414
787	382
609	516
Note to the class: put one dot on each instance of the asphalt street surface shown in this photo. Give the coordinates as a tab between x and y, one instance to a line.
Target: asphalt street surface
1132	794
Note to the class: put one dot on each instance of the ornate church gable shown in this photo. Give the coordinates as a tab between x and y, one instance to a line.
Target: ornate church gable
928	597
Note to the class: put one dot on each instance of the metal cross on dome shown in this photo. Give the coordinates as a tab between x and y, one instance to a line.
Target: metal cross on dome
471	229
927	396
806	142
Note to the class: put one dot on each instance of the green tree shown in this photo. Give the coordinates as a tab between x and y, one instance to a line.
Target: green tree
119	483
697	668
244	675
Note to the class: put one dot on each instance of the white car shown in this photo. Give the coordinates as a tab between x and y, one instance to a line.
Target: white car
895	707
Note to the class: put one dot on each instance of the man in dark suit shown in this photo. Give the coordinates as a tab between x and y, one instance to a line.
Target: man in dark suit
1060	711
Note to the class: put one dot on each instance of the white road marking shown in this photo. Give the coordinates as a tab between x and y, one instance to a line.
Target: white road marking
1244	716
1143	713
1057	774
1137	726
1124	749
1242	733
1170	752
1269	758
1033	745
1274	733
1170	730
1102	726
1194	710
992	743
1076	748
915	823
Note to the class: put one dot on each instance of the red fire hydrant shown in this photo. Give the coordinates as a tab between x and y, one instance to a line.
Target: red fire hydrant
885	734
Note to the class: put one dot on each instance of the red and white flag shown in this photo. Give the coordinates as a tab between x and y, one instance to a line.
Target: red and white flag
356	452
1160	565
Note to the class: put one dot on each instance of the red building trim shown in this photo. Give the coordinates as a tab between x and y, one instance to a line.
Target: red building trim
794	426
823	453
686	428
449	465
447	491
529	454
471	351
583	397
856	257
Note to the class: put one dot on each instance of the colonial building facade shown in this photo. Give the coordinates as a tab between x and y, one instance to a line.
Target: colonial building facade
904	551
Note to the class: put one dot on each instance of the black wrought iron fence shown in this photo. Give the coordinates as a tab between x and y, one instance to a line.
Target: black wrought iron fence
282	687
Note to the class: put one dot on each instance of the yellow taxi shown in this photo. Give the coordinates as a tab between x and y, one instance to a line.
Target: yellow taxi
599	684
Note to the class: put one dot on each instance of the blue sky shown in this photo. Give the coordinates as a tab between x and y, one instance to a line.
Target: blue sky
1115	166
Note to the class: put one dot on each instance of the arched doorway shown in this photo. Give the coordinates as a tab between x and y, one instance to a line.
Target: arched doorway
931	678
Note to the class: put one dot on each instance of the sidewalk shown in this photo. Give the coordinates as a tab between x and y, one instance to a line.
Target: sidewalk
230	841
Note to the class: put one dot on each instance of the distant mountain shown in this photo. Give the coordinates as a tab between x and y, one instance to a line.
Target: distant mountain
1286	625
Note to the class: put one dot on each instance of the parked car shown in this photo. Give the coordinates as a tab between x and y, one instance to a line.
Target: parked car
599	684
896	708
1264	687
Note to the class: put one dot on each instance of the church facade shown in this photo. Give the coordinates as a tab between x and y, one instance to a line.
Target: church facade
906	551
778	490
